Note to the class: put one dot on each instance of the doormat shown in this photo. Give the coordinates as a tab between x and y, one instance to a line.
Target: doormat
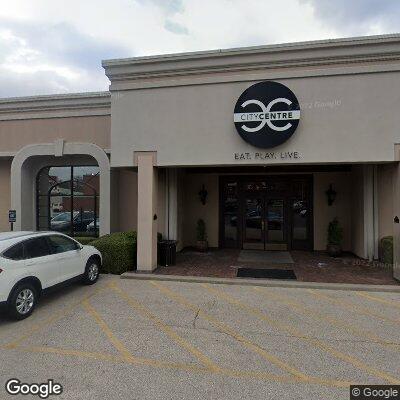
270	257
266	273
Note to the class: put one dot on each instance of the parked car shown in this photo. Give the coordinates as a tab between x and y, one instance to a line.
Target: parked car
31	263
62	222
254	219
92	227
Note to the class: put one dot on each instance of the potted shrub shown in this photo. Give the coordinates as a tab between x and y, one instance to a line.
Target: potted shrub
335	238
202	244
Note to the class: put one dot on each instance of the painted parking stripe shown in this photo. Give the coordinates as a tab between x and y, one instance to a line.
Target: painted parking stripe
171	365
325	318
350	306
155	363
206	361
378	299
125	353
71	353
244	341
101	356
302	336
111	357
48	321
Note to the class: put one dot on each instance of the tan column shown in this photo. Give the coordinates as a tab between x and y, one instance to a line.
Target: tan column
171	204
396	213
369	199
147	211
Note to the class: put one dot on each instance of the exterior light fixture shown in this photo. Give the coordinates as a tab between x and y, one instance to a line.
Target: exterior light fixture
203	195
331	195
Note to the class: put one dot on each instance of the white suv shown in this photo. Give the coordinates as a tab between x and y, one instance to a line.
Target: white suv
33	262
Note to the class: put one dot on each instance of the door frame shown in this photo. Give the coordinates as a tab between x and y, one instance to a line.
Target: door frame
265	243
289	179
242	222
280	244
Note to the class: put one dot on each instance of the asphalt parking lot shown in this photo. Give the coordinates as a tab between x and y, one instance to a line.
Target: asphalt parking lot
128	339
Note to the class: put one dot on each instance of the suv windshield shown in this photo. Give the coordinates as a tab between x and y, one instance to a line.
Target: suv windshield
64	217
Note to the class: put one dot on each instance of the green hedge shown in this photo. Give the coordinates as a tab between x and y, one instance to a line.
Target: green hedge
84	239
387	250
118	251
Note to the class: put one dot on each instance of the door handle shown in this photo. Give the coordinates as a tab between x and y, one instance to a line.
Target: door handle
263	225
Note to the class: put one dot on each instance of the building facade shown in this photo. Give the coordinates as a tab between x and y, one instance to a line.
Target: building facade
266	144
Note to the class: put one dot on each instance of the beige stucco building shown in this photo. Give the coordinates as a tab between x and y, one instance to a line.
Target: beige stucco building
168	151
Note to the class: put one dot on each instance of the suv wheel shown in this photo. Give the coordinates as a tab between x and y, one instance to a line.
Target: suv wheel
22	301
92	271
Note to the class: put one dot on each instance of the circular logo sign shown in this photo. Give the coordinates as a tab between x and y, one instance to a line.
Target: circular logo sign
266	114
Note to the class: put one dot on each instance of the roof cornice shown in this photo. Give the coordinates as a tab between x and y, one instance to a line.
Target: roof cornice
55	106
140	71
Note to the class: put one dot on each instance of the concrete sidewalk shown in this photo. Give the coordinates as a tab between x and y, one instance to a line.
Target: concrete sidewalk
262	282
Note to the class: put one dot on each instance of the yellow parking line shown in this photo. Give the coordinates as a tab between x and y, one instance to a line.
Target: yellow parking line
107	331
345	304
111	357
156	363
247	343
207	362
378	299
300	335
15	345
48	321
171	365
322	317
71	352
267	376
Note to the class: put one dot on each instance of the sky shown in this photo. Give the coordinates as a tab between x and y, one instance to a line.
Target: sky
56	46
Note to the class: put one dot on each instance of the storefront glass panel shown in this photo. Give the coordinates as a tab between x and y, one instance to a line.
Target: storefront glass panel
67	200
230	214
267	213
300	219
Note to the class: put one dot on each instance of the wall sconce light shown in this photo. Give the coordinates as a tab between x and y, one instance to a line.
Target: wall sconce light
331	195
203	195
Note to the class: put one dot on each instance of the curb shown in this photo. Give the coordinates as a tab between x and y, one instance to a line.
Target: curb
261	282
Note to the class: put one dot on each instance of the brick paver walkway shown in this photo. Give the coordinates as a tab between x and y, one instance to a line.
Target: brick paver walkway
308	267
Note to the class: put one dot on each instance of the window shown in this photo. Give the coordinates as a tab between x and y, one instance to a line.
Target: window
15	253
68	200
256	186
230	206
300	217
61	244
37	247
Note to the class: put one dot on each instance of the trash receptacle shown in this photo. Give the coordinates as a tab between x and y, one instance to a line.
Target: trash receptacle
167	252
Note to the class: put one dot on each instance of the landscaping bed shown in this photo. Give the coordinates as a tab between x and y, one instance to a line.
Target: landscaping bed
118	250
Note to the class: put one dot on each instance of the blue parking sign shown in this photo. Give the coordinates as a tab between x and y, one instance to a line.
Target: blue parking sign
12	215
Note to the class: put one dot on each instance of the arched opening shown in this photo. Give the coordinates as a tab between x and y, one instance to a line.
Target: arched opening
32	158
67	199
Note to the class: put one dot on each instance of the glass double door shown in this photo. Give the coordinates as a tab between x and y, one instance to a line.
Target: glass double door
264	226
